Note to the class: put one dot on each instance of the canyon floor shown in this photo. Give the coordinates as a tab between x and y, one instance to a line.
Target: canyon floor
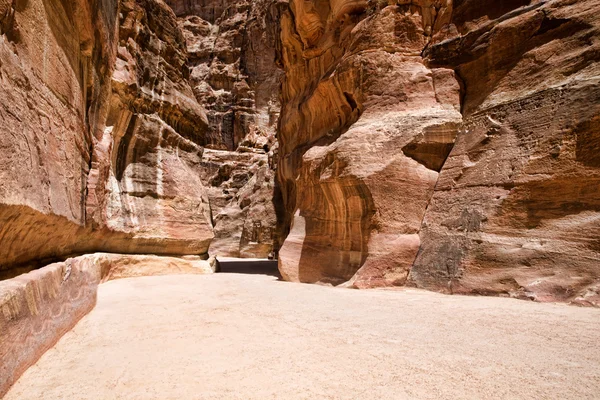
245	336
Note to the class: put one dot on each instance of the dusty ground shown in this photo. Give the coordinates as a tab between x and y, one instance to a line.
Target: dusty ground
230	336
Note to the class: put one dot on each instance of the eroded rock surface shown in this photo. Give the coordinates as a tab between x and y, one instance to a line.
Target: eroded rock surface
240	188
106	123
232	49
377	94
365	128
447	145
55	68
517	206
145	179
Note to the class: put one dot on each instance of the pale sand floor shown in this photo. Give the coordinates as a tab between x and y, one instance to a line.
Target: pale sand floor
230	336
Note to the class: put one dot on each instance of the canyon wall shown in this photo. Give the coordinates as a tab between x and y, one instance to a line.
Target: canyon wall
55	70
445	145
232	47
107	107
517	206
449	145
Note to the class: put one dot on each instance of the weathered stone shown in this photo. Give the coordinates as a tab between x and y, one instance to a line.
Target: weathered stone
365	128
55	67
517	206
240	189
371	101
232	61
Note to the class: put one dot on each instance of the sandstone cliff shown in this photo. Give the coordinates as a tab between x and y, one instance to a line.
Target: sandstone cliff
517	206
377	95
449	145
232	47
104	129
56	64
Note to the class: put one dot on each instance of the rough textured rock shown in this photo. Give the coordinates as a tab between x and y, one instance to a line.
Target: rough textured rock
240	189
448	145
232	45
232	49
365	128
55	67
374	96
517	207
105	117
145	179
37	308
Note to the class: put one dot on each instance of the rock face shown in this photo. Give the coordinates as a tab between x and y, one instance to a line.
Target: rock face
240	189
145	179
55	68
104	133
377	96
449	145
232	49
105	125
517	206
365	129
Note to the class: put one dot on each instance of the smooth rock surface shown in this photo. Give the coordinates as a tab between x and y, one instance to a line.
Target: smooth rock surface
228	336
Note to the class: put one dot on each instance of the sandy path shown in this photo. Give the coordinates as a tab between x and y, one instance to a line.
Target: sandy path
230	336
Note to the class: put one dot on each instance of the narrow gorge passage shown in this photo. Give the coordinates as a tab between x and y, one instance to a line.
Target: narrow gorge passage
390	146
239	336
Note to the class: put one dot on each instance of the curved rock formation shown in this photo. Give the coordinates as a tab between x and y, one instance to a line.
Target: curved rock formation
450	145
106	127
145	179
55	68
374	97
365	128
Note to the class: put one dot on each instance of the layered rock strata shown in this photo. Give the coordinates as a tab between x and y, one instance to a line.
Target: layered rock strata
232	49
376	95
365	128
106	128
240	187
517	206
39	307
55	69
145	179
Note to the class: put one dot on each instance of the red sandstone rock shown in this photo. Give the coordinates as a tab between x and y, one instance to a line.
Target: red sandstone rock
365	128
107	153
447	145
232	53
517	206
371	102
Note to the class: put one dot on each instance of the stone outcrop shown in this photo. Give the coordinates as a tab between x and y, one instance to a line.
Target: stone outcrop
445	145
105	128
448	145
55	67
240	188
365	128
145	179
232	49
37	308
517	207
